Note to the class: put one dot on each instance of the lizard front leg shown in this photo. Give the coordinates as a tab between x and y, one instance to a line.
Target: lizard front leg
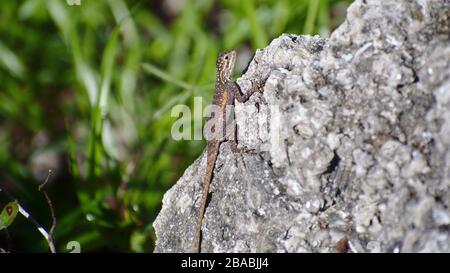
256	86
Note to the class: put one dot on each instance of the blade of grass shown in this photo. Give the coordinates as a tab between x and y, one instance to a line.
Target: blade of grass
179	98
85	75
311	16
151	69
72	156
323	19
60	16
95	147
132	58
259	37
11	62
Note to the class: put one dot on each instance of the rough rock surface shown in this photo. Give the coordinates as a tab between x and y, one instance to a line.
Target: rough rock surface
350	140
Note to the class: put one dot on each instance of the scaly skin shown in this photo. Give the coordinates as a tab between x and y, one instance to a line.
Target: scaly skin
226	91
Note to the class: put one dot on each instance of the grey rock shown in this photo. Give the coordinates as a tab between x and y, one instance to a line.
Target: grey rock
350	140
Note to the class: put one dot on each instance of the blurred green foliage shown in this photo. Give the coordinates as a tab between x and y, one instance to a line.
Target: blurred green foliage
87	91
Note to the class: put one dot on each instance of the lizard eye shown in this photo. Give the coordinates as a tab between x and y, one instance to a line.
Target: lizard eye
226	57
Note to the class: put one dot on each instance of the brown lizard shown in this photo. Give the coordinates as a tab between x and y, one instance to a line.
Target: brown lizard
226	90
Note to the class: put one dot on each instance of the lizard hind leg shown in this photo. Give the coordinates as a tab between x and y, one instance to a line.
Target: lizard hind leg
233	138
234	142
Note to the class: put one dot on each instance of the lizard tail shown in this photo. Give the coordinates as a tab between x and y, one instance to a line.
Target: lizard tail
213	151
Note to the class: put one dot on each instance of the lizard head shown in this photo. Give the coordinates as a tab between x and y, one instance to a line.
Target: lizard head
225	64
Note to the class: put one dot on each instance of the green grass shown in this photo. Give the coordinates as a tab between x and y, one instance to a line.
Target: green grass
89	89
